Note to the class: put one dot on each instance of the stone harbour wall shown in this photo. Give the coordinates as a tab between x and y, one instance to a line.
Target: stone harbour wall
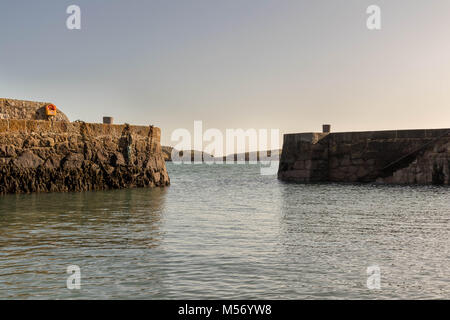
398	156
26	110
47	156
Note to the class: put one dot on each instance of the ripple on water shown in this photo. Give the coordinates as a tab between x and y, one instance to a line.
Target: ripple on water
224	231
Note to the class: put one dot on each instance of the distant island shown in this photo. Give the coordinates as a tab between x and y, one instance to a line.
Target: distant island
206	157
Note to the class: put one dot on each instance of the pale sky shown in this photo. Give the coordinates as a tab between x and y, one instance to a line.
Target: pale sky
288	65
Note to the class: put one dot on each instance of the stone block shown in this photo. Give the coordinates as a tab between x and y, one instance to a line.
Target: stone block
47	142
140	130
384	135
300	164
18	126
116	130
107	129
411	134
60	127
31	126
358	162
28	160
4	126
95	129
156	134
345	161
43	126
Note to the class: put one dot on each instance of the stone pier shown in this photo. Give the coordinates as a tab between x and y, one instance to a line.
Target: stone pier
38	155
397	157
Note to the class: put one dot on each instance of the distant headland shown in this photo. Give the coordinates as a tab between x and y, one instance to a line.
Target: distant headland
206	157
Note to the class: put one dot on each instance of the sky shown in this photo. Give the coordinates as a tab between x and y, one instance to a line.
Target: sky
291	65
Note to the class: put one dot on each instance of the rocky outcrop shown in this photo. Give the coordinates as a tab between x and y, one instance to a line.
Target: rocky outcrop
402	157
46	156
27	110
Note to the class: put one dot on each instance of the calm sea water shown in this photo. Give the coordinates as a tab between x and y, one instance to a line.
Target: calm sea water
225	231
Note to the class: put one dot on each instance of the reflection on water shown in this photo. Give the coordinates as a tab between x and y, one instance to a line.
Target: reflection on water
41	234
224	231
82	219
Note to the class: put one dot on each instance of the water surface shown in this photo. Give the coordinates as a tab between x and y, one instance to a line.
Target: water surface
225	231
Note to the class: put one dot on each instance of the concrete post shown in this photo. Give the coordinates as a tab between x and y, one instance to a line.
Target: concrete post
108	120
326	128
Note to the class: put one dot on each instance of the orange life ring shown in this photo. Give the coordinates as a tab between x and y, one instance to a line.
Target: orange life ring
50	110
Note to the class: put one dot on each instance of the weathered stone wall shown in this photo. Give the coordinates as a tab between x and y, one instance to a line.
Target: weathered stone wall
401	156
432	165
45	156
27	110
304	158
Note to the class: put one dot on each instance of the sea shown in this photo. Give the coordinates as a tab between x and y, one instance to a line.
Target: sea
225	231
